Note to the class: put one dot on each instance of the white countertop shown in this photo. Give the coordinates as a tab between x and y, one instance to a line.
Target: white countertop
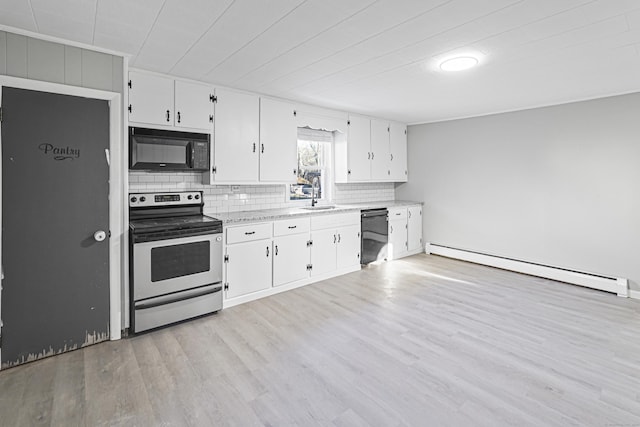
243	217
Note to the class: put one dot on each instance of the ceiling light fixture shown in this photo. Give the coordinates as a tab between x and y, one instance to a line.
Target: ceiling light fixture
459	63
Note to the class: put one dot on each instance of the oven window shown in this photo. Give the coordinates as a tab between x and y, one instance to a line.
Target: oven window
168	262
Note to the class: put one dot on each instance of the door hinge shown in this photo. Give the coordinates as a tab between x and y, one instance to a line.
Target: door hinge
226	286
210	118
129	84
226	258
213	98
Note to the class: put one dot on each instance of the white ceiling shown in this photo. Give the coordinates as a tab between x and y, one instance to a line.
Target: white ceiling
373	57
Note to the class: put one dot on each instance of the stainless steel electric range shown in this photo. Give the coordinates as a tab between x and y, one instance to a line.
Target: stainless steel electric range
175	259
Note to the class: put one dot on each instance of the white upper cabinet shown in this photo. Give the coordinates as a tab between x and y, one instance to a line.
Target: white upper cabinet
163	101
193	105
358	150
380	150
278	141
150	99
236	137
398	152
373	150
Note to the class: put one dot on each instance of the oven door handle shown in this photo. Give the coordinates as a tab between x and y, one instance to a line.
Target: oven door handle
176	297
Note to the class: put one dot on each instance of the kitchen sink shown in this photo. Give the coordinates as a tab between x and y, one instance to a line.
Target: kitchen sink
319	208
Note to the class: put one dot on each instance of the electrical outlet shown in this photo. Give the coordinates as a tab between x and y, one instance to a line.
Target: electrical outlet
235	188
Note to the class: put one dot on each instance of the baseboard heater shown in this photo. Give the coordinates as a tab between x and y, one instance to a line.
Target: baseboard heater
615	285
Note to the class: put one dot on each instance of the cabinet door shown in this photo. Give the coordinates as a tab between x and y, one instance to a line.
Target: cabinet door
278	141
236	137
151	99
193	105
359	149
248	268
291	255
414	228
397	238
323	251
380	156
398	148
348	246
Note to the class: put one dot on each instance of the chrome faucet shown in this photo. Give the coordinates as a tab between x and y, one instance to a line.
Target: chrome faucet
314	190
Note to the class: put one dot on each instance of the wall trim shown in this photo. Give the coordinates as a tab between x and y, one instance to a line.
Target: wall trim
59	40
531	107
117	193
617	285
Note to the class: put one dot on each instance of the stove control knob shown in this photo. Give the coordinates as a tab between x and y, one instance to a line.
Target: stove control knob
142	199
197	196
134	199
189	197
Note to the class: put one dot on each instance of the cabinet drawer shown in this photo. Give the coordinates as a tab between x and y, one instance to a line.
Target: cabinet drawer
334	220
247	233
291	226
397	213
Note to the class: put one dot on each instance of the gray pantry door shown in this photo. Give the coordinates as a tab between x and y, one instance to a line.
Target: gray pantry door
55	188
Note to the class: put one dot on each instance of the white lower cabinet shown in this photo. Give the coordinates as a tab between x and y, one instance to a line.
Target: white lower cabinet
348	246
414	229
247	260
323	251
291	251
248	268
335	243
405	231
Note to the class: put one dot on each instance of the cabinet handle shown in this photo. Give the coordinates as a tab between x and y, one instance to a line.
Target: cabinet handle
249	233
338	237
368	155
168	115
295	172
334	238
291	227
262	148
409	214
267	251
391	228
254	147
276	250
391	157
372	154
178	116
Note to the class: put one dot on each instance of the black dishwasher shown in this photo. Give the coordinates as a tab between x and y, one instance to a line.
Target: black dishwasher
375	235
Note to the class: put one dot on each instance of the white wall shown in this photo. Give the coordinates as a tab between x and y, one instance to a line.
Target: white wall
557	185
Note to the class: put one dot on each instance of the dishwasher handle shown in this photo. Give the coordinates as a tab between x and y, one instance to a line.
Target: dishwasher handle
373	213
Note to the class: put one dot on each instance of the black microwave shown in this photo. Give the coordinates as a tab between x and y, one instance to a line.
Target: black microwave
168	150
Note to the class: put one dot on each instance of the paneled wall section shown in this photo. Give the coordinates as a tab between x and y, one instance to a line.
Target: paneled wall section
29	58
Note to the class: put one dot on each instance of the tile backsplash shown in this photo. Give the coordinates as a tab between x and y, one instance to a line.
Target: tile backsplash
226	198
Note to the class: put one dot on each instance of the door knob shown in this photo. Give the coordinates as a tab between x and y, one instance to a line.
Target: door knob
99	235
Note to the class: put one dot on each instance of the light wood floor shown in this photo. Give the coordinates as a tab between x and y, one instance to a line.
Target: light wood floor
422	341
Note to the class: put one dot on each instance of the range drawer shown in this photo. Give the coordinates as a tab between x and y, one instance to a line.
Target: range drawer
248	233
291	226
